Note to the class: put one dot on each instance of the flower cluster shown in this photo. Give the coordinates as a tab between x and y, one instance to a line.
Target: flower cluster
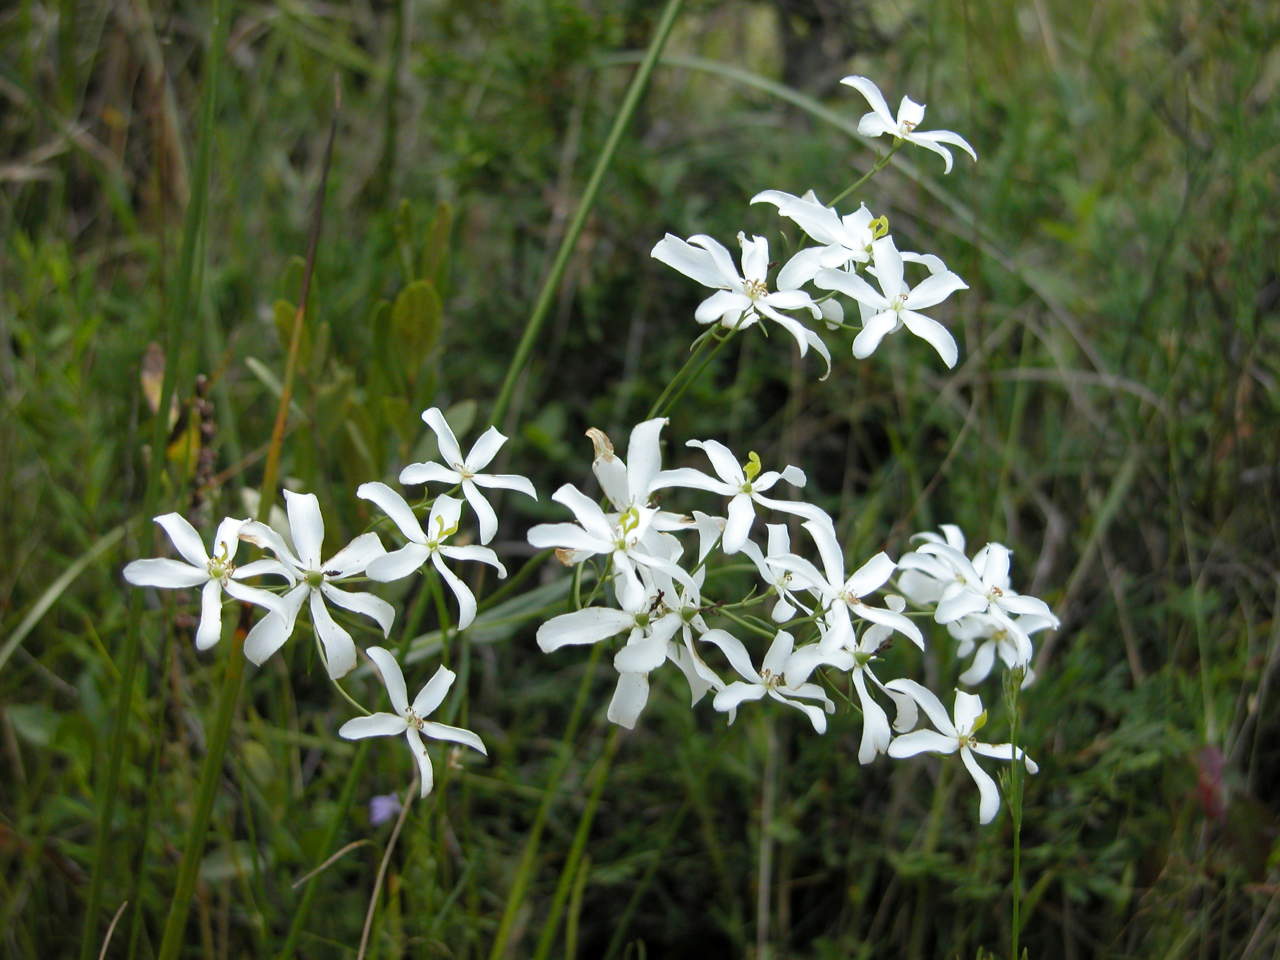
314	583
845	251
661	587
815	615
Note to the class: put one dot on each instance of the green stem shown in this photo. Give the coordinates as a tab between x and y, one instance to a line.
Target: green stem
570	869
175	924
699	347
658	410
354	774
1013	683
546	295
879	165
181	308
524	871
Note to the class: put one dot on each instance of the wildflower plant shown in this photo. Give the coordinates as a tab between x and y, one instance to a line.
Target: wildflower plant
651	549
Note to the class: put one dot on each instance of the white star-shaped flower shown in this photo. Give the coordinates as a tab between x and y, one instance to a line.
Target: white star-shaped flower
466	470
213	574
895	304
442	523
958	732
770	680
905	125
315	581
410	718
741	299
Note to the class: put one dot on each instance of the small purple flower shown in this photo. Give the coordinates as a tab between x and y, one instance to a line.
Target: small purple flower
383	808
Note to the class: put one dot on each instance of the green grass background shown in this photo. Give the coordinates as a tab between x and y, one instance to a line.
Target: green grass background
1113	419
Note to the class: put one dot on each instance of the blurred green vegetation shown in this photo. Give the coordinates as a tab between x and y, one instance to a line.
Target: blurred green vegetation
1113	419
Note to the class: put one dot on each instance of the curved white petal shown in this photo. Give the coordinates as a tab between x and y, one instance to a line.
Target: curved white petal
484	449
210	629
990	796
375	725
184	537
365	604
589	625
306	527
450	452
418	473
933	333
397	564
339	649
442	731
466	599
487	519
355	557
162	572
433	693
629	699
921	741
419	750
395	507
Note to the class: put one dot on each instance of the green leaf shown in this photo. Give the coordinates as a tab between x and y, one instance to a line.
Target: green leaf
435	249
416	318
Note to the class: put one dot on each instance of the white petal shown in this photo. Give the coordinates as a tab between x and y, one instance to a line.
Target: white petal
967	709
569	536
738	525
471	552
629	698
442	731
934	290
398	564
990	802
721	304
306	527
921	741
392	678
450	452
641	656
339	650
755	258
933	333
210	629
735	694
875	329
162	572
928	701
722	460
365	604
735	652
419	751
266	637
875	99
590	625
644	458
433	693
466	599
484	450
355	557
417	473
506	481
375	725
961	603
585	510
1004	751
395	507
693	263
185	539
485	516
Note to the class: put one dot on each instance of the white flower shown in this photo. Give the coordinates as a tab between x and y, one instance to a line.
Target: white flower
777	577
744	485
982	587
466	470
985	637
630	483
315	581
839	595
410	718
617	537
844	240
856	657
969	718
443	523
896	305
740	298
770	681
216	573
903	126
